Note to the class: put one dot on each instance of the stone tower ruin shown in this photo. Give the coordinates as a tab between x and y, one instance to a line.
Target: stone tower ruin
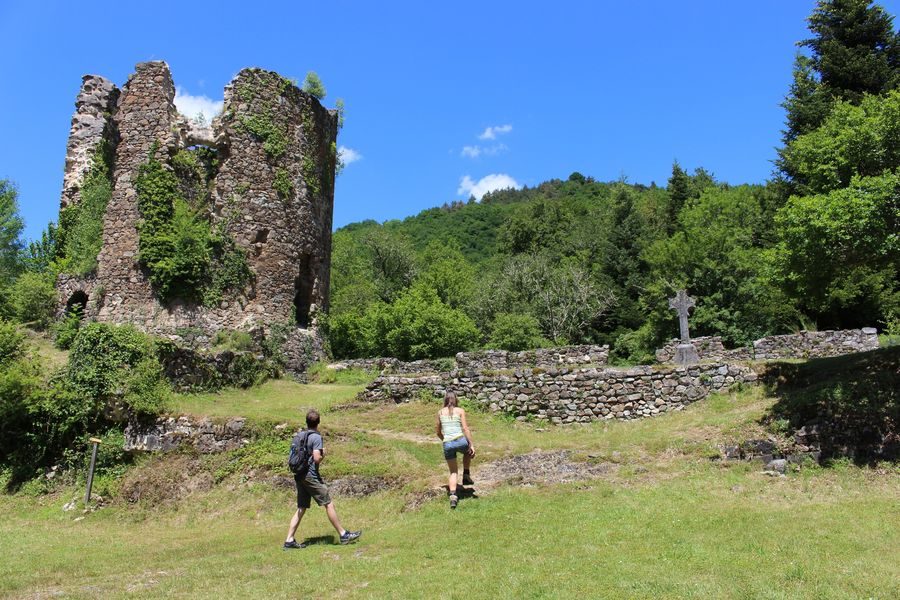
269	164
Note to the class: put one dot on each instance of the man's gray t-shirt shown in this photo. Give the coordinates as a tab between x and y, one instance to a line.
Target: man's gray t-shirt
313	443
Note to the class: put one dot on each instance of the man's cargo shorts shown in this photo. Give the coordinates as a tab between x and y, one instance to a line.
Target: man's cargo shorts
311	487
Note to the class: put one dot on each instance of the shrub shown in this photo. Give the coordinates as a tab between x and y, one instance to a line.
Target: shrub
66	329
34	299
516	332
233	339
80	233
184	256
418	325
110	361
12	343
313	85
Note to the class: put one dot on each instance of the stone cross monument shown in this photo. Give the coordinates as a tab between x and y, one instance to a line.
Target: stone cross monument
685	353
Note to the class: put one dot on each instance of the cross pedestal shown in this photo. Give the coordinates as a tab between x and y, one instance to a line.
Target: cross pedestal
685	353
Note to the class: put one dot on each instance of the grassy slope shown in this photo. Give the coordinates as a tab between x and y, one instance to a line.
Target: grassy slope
667	523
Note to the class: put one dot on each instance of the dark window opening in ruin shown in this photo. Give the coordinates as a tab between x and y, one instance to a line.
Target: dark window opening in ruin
303	295
77	304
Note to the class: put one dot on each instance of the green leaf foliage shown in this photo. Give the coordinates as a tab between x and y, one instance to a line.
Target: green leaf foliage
33	298
79	237
184	257
861	140
313	85
515	332
838	253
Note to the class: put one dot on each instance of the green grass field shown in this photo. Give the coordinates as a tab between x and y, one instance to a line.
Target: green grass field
664	521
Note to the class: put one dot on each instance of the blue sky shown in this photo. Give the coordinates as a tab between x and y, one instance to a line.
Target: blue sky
442	99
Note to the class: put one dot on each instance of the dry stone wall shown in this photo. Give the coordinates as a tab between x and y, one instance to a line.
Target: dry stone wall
169	433
394	365
273	193
543	357
806	344
487	359
816	344
562	395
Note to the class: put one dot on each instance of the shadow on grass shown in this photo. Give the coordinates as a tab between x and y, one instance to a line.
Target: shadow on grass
849	404
463	493
320	539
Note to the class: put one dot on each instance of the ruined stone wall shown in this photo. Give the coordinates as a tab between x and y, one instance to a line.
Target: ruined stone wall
395	365
570	395
816	344
91	126
273	193
169	433
806	344
542	357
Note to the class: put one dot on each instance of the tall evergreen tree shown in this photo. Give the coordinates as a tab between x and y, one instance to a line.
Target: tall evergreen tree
854	48
854	51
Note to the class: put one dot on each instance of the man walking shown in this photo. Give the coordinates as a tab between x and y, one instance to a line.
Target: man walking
313	486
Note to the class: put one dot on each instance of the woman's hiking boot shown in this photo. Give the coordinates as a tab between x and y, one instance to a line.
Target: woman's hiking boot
454	500
467	479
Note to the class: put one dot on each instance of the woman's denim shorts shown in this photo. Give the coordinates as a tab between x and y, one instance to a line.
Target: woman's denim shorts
460	444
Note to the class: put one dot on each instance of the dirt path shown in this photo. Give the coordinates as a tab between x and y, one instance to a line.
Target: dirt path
534	468
403	436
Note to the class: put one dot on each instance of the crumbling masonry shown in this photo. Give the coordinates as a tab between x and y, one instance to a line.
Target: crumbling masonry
272	192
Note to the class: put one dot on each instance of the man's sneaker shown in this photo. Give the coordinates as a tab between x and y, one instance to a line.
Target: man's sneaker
292	545
350	536
454	500
467	479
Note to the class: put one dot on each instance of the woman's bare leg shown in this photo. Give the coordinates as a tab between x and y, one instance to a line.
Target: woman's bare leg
454	468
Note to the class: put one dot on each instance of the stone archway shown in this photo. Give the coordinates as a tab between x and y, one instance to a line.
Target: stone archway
77	303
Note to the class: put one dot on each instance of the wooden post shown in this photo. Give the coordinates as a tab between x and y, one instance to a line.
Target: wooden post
90	482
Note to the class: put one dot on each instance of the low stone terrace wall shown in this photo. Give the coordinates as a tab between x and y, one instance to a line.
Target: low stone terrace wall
168	433
806	344
816	344
542	358
563	395
487	359
394	365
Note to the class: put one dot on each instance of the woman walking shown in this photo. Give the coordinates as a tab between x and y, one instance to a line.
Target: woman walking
453	430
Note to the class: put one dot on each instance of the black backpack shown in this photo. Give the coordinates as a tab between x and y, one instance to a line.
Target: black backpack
298	459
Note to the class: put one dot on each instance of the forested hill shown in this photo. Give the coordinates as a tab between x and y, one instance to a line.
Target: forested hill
581	261
475	227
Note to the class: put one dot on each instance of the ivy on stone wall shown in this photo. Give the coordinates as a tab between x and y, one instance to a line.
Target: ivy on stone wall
80	234
185	258
273	136
283	184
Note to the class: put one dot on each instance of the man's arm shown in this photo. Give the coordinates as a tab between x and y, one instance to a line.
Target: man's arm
318	448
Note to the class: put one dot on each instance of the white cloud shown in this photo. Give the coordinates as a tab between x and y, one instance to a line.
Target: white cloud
471	151
348	155
491	133
488	183
476	151
190	106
